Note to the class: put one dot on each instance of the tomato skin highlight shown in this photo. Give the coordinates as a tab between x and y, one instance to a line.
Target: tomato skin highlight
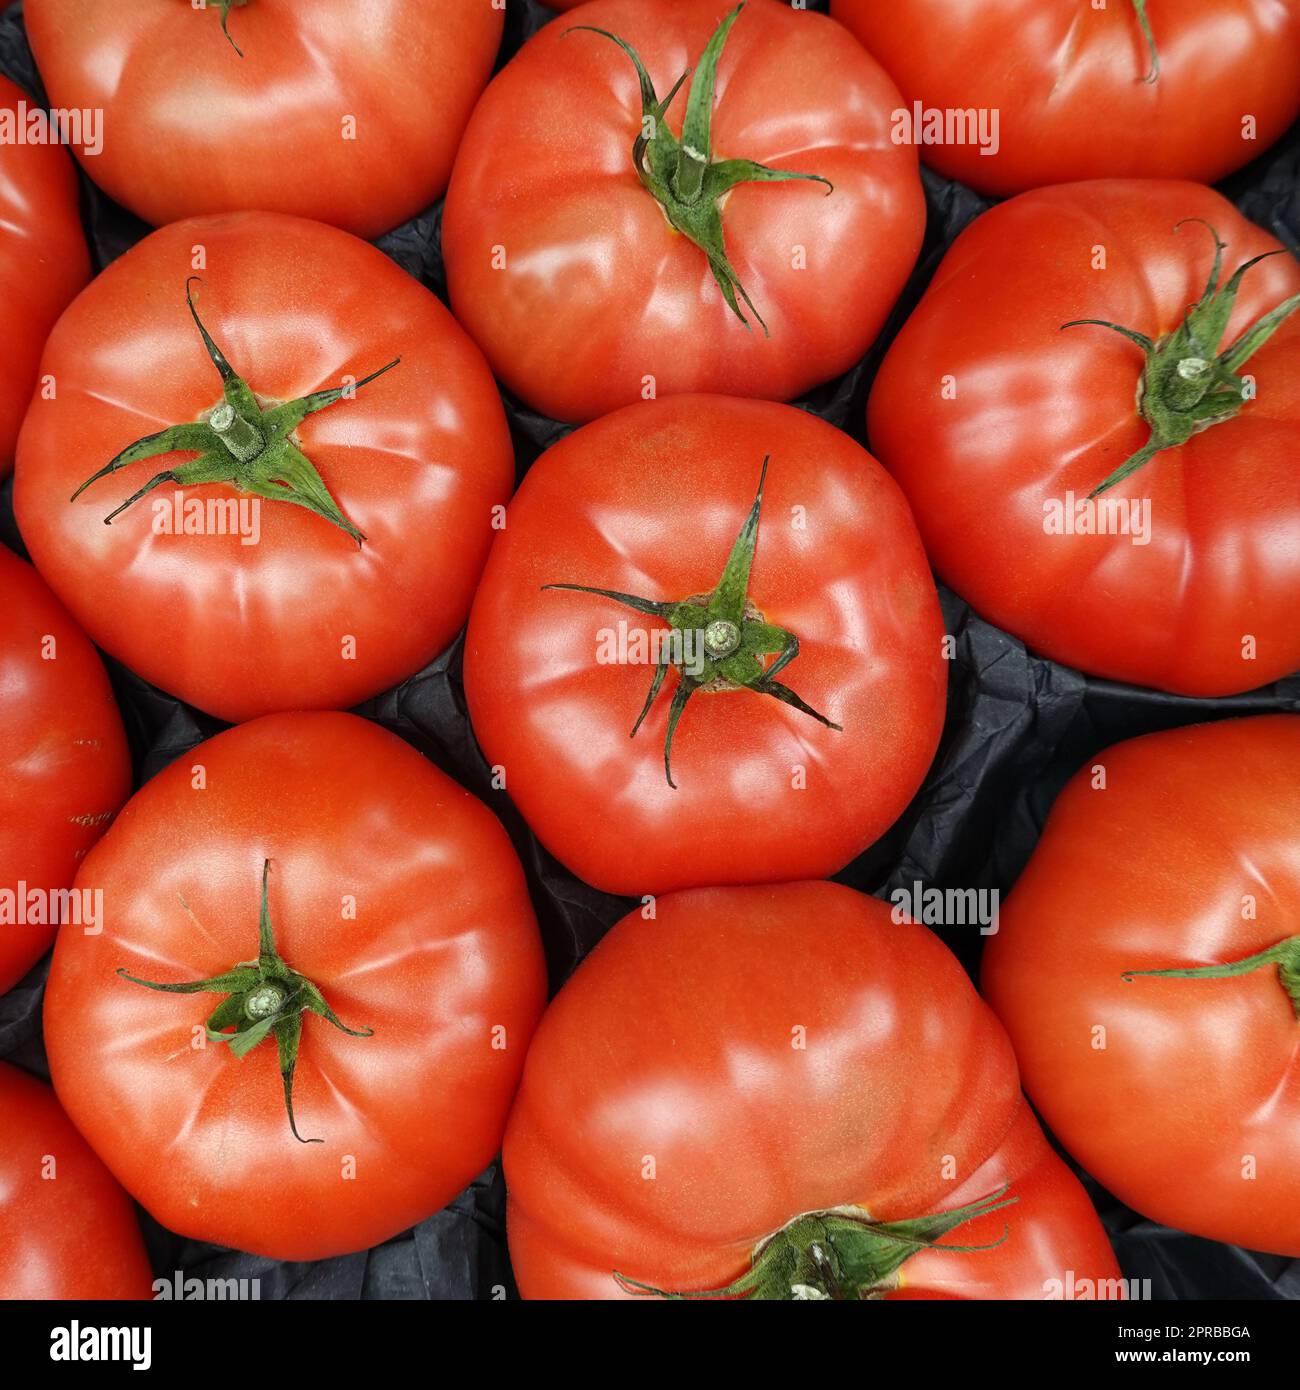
1041	413
1195	1075
67	1230
1068	83
598	293
347	114
649	501
64	764
702	1068
417	460
443	949
43	261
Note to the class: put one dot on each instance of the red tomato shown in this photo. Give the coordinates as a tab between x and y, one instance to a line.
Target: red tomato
391	897
339	597
43	260
791	1053
343	112
1000	420
1179	1094
589	291
1084	91
649	503
64	765
67	1229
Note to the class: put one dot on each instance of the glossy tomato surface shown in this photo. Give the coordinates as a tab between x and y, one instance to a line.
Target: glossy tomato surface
302	616
1069	83
765	1053
649	501
392	890
43	260
1179	1095
996	420
64	764
347	113
67	1230
565	269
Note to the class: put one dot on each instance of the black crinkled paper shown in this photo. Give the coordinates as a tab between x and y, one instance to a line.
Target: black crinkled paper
1018	727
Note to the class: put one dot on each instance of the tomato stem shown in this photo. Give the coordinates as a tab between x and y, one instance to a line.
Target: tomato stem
240	443
1144	20
839	1254
719	638
264	998
240	436
683	175
225	7
1184	387
1285	955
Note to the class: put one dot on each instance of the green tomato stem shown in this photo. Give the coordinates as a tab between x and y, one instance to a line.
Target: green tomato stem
225	7
841	1254
240	443
732	641
264	998
682	175
241	437
1184	387
1140	6
1285	955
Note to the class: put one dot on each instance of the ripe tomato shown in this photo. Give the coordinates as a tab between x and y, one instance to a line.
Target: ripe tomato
648	504
67	1229
346	113
364	580
353	879
64	765
588	290
1188	89
1002	416
792	1052
1179	1094
43	260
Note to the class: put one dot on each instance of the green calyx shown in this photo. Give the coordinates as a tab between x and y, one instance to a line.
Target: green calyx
240	443
683	176
718	640
1285	956
225	6
840	1254
264	998
1185	387
1140	6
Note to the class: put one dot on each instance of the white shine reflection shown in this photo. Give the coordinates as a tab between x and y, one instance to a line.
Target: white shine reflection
560	260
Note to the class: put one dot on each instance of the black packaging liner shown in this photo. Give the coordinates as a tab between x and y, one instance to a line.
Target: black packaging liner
1018	727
